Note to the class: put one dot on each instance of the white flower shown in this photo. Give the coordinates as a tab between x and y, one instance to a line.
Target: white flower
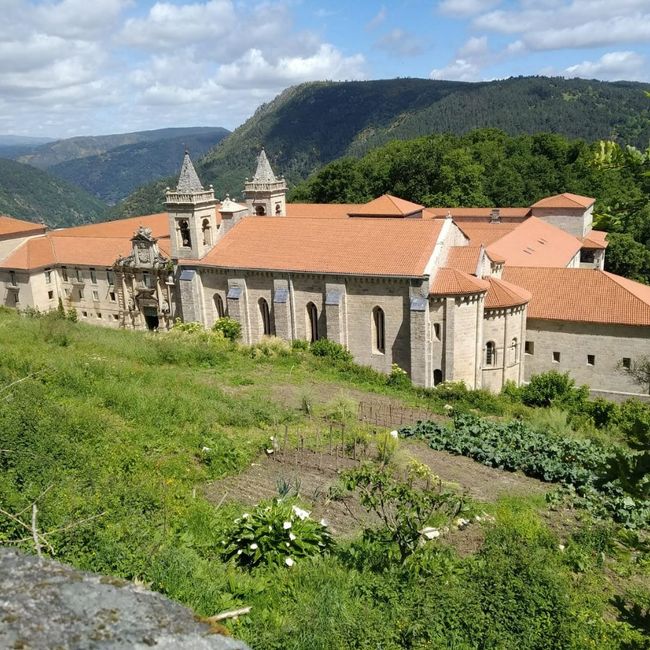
323	522
461	523
292	536
269	451
206	449
270	528
245	516
286	525
300	513
272	438
561	547
253	546
289	562
394	434
448	407
287	544
239	552
430	533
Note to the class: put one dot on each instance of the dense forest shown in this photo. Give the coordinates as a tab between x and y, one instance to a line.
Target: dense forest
32	194
312	124
489	168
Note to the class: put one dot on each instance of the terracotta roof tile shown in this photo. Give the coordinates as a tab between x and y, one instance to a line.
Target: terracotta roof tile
387	206
485	233
352	246
479	214
452	282
119	228
464	258
582	295
595	239
321	210
565	200
536	243
11	226
503	294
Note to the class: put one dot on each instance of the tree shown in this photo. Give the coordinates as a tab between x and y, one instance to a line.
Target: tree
638	371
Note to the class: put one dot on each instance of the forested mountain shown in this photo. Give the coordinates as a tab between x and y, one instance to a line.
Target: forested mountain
61	151
489	168
312	124
112	175
32	194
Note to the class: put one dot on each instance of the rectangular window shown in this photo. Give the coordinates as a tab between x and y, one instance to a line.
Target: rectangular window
556	357
50	295
626	363
78	274
591	360
17	294
99	314
95	295
110	276
93	276
112	296
48	276
116	316
84	314
148	280
64	273
12	278
436	331
68	293
529	348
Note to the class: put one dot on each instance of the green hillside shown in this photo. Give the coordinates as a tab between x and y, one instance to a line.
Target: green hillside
312	124
146	458
113	174
32	194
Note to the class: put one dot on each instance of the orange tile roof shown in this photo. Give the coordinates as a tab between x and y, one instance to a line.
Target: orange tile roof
11	226
119	228
352	246
503	294
582	295
536	243
464	258
387	206
485	233
321	210
452	282
479	214
565	200
595	239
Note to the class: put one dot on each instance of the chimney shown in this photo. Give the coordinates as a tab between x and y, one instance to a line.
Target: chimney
495	216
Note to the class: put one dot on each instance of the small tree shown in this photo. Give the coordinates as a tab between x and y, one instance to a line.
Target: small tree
638	371
229	327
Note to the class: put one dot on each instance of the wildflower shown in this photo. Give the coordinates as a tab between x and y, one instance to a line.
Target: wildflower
206	449
394	434
289	562
245	515
286	525
561	547
239	552
270	528
253	546
292	537
300	513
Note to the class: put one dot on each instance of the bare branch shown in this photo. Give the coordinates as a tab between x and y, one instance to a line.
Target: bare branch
37	542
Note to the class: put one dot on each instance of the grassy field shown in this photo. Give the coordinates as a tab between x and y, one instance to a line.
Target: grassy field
127	443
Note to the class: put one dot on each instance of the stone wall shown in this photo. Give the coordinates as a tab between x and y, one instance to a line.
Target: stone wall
575	341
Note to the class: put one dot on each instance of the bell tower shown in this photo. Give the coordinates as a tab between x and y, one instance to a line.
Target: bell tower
266	194
192	215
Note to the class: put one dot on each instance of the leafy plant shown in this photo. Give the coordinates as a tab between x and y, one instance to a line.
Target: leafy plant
330	350
229	327
278	533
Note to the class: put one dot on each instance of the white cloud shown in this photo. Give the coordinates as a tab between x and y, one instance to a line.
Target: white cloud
476	46
377	20
613	66
457	70
401	43
462	8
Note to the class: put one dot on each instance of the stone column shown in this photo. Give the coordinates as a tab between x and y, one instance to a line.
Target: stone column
448	345
282	310
237	298
420	330
191	296
336	312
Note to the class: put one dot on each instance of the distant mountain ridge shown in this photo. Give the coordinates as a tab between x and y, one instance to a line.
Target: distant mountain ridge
309	125
33	194
114	174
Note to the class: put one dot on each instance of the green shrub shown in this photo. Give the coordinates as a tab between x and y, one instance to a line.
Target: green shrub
330	350
270	347
229	327
554	389
278	533
187	328
634	423
398	377
603	412
299	344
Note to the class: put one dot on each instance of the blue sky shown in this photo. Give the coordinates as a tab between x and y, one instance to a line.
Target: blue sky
70	67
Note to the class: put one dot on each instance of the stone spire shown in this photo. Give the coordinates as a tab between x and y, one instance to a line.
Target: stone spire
264	173
188	180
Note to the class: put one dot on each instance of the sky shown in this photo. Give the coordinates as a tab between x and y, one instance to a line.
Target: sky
89	67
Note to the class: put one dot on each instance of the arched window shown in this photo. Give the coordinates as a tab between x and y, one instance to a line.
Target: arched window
312	322
207	232
379	333
513	351
437	377
260	211
184	230
278	208
436	331
218	306
265	317
490	353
